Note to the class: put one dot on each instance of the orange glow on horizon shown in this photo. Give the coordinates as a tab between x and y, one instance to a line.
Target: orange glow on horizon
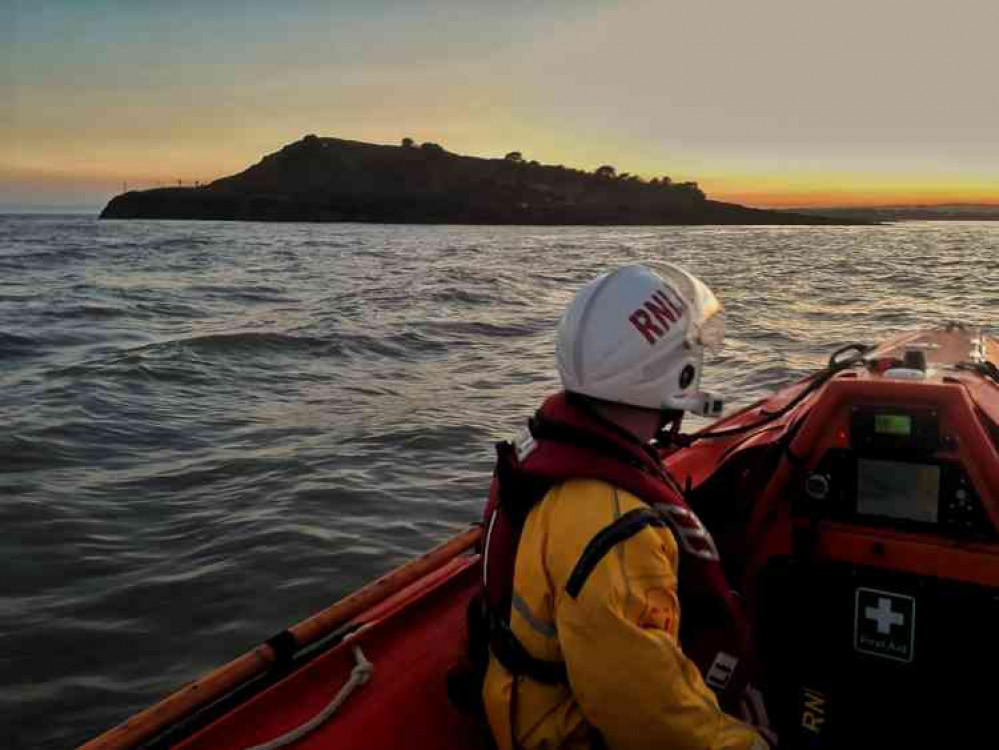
860	198
847	191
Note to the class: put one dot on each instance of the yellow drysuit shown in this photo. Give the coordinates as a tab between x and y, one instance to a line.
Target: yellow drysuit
618	639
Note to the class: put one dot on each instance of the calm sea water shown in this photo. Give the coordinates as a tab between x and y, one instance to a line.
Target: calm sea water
208	431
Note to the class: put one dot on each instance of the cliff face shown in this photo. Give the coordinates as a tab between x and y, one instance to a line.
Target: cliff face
327	179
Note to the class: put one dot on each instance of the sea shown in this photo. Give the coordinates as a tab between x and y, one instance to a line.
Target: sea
210	430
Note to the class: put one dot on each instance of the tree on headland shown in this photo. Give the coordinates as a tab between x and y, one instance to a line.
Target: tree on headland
515	156
605	171
408	143
692	188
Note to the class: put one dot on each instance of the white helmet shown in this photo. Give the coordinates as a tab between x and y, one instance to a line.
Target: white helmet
638	338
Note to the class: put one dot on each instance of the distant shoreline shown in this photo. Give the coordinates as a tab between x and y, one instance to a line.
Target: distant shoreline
945	212
94	211
872	216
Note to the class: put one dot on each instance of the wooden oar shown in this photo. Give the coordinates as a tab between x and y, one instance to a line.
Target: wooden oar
227	678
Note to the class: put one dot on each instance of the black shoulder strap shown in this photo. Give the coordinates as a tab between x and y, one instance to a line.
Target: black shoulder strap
609	537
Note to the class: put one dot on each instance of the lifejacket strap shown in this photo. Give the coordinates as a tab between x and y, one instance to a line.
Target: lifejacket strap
609	537
517	660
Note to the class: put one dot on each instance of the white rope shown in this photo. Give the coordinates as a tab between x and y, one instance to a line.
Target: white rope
360	674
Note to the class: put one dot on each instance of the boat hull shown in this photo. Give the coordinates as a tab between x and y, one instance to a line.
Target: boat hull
870	629
411	640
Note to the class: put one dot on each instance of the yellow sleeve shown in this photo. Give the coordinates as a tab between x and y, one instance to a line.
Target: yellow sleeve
619	642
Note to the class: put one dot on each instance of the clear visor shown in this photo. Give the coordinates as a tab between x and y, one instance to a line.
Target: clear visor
711	333
707	315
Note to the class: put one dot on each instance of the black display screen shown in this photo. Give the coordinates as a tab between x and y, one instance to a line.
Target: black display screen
893	489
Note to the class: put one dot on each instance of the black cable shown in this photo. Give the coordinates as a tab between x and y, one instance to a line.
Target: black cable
985	368
861	350
818	380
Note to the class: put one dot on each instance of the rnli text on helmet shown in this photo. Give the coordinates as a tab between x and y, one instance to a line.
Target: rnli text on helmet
663	309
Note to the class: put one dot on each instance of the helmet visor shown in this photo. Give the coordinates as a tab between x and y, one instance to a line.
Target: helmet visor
707	315
711	333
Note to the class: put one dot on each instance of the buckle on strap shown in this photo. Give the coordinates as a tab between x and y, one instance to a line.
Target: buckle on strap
524	444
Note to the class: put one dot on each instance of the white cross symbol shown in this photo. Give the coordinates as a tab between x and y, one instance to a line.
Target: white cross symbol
884	616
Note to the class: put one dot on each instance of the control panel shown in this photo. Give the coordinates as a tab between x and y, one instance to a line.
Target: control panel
892	475
932	496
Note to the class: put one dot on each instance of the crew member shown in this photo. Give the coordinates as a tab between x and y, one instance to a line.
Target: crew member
590	549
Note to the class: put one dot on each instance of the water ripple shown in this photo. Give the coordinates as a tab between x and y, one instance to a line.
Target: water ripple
212	429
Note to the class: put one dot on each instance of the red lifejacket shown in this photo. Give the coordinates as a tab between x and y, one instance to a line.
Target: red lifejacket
566	440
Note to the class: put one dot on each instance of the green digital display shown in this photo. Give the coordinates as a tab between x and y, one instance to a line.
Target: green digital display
893	424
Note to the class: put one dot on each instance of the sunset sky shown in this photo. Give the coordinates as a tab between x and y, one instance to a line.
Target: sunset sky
768	103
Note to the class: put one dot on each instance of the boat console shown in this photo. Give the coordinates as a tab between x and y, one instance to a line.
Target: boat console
885	595
909	457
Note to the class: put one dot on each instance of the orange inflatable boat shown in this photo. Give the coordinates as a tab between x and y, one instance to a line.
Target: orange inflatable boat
857	510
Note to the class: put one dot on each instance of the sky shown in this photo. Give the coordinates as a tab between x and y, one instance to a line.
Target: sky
769	103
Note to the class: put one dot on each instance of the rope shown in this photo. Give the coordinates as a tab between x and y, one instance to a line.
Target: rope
360	674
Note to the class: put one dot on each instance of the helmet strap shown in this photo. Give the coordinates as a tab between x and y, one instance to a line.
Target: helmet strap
669	428
591	404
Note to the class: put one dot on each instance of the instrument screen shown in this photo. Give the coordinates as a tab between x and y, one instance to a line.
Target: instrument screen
893	489
893	424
